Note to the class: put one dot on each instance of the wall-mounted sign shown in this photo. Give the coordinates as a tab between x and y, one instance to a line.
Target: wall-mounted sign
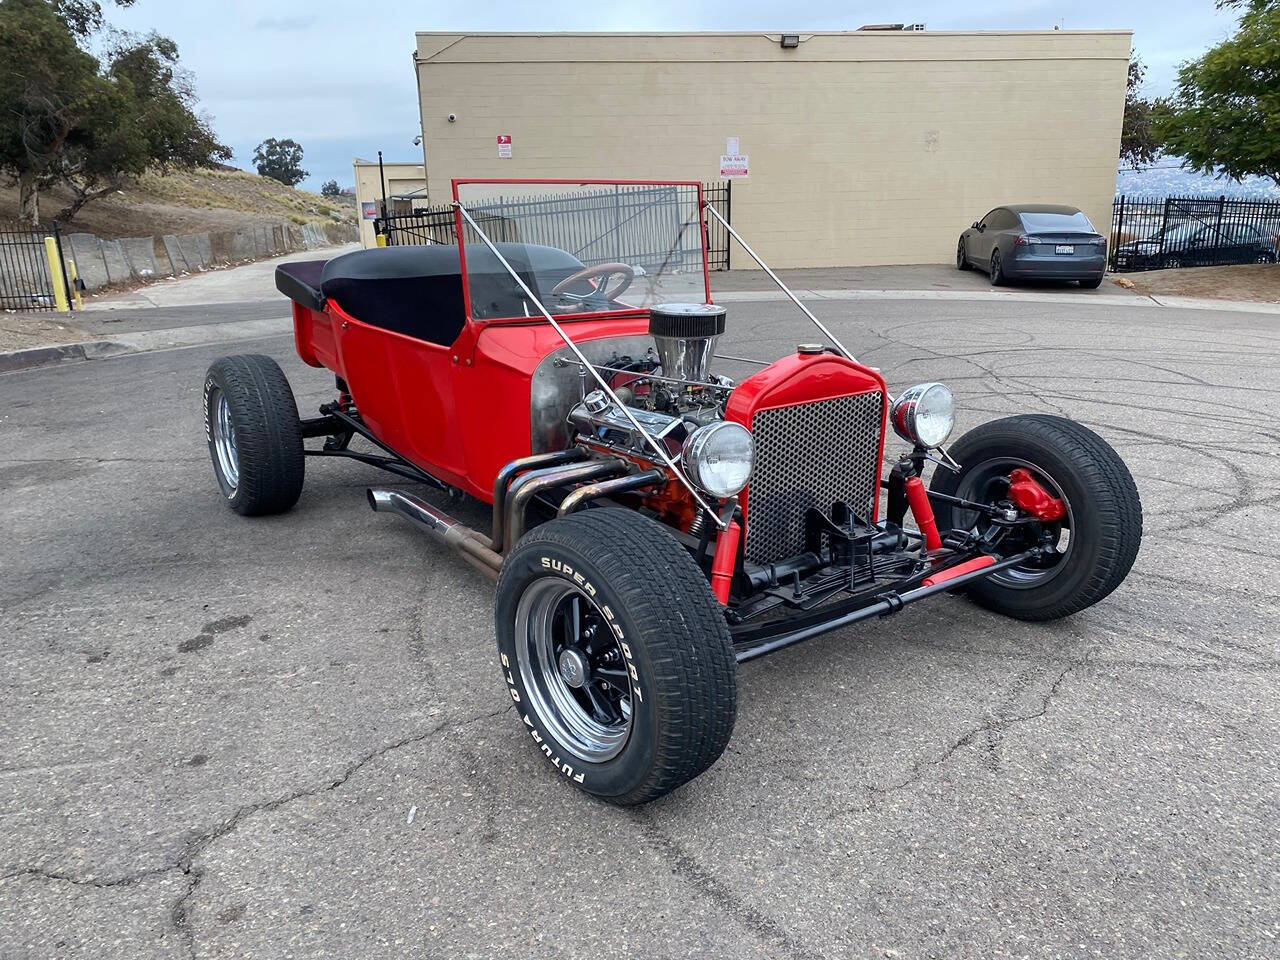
504	146
369	210
734	166
733	146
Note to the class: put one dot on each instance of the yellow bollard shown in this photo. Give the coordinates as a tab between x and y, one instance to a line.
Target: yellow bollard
75	284
381	240
55	275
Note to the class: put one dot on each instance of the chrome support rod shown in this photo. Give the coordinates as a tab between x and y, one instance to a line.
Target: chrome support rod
657	447
774	277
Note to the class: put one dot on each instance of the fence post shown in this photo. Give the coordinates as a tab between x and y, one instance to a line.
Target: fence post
728	215
57	279
1117	229
1217	230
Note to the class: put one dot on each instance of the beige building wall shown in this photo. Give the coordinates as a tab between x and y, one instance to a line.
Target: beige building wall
865	147
403	179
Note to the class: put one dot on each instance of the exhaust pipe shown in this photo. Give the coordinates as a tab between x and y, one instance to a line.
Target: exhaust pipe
474	547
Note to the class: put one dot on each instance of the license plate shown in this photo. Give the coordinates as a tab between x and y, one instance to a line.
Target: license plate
1065	248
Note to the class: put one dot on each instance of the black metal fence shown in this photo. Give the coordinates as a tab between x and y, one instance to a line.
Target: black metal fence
1153	233
25	283
632	224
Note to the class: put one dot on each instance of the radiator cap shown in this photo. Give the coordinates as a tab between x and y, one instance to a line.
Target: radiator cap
810	349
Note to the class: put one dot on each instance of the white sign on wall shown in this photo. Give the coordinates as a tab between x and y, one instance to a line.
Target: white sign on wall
734	166
733	146
504	146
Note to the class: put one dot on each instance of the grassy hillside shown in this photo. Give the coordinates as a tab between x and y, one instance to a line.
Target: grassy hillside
190	202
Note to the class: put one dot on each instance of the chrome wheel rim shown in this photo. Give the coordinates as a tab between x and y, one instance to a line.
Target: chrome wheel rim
981	484
573	669
224	441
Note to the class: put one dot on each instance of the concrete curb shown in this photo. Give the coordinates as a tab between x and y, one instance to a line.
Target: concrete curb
1082	299
60	353
144	341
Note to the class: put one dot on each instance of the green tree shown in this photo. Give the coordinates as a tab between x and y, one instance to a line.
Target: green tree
280	160
1139	141
330	188
1225	116
65	118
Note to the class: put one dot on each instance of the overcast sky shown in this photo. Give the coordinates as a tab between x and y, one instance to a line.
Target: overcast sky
338	76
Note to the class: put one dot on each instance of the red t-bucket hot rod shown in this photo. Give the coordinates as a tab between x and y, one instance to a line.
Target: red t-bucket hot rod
655	523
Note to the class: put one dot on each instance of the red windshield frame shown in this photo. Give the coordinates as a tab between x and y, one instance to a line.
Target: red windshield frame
459	224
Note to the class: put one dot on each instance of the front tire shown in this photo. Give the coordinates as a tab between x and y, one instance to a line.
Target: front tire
1095	543
962	259
254	435
616	654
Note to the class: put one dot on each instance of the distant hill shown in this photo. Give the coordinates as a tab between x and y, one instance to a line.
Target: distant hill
197	201
1167	180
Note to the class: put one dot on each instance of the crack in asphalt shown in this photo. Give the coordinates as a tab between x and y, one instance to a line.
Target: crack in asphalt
687	867
179	915
990	727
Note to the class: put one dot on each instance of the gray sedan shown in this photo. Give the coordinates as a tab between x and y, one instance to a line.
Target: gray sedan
1041	241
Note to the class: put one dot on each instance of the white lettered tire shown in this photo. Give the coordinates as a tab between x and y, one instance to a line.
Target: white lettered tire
616	655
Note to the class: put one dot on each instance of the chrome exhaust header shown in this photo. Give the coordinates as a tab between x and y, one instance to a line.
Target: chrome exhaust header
473	546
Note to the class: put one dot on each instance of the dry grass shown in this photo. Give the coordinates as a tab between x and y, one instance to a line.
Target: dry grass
1250	281
190	202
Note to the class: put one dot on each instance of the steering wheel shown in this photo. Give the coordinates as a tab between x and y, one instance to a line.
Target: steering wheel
603	274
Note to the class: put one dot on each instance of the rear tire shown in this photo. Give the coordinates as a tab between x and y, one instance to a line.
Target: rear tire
254	435
996	271
605	600
1091	284
1104	513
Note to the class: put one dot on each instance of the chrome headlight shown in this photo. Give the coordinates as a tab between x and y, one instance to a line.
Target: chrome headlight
924	415
718	457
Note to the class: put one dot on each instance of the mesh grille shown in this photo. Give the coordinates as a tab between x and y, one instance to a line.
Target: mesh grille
810	455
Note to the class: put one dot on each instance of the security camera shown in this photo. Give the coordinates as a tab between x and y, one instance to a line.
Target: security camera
453	118
417	141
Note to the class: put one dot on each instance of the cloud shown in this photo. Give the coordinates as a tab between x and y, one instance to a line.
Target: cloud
300	22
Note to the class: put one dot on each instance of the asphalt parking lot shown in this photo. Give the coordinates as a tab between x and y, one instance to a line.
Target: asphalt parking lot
289	737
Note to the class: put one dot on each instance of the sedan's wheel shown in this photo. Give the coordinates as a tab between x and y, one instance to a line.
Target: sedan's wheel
1171	263
1090	547
616	654
997	271
962	261
254	436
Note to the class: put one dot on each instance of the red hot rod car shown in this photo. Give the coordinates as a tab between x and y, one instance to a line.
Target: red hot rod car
655	523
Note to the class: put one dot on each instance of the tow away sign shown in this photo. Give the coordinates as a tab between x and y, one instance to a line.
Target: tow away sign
504	146
734	166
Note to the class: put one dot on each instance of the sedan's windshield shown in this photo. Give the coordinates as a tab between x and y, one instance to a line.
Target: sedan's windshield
1054	222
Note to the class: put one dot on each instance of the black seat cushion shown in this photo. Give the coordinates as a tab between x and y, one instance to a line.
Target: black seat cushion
300	281
417	291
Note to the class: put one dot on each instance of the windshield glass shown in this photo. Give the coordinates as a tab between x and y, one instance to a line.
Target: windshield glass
582	248
1179	232
1050	222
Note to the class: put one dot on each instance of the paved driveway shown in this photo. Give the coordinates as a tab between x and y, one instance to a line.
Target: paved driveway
288	737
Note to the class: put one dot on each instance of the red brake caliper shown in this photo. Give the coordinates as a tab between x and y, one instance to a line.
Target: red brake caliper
1032	498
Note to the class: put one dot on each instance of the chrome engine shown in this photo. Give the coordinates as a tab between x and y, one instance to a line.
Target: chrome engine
670	390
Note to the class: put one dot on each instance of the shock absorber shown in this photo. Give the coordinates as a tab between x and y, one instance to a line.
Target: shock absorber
922	512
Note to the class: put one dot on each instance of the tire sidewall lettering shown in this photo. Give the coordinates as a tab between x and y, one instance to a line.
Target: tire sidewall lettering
554	566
